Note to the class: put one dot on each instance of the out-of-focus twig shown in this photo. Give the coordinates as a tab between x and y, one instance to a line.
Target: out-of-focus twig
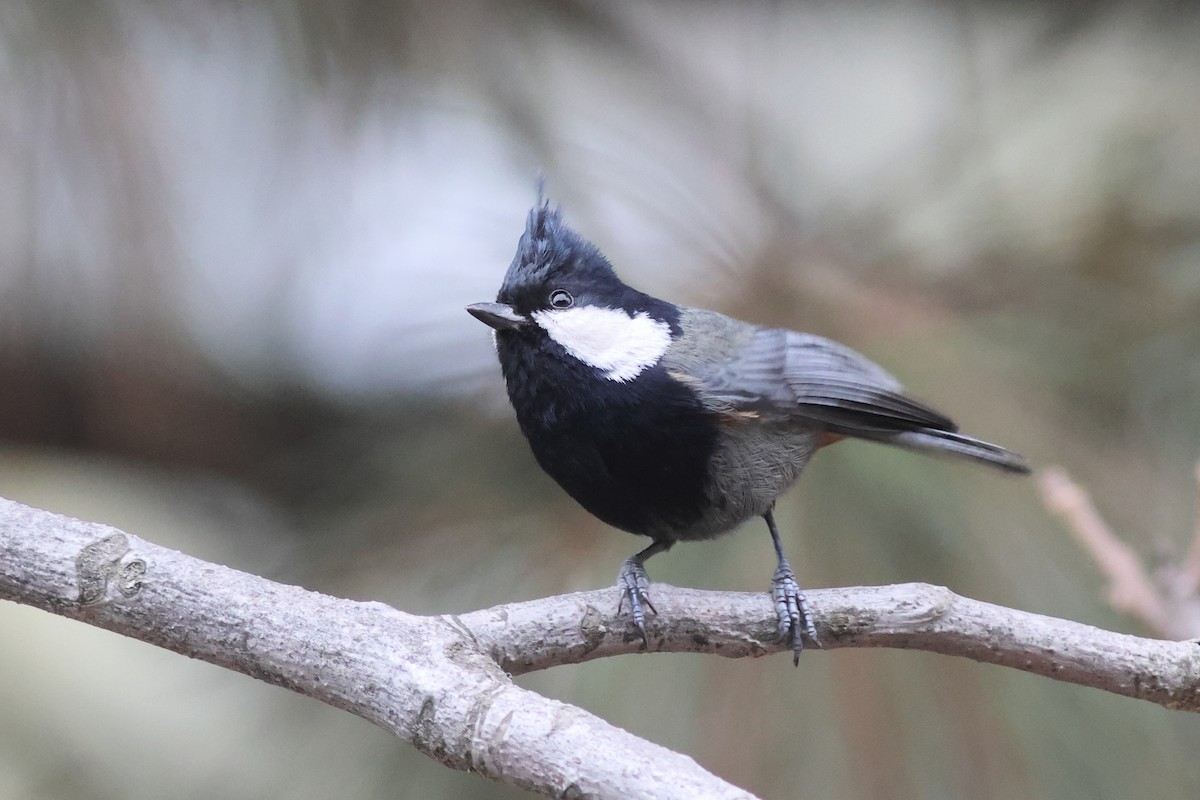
1189	571
1166	600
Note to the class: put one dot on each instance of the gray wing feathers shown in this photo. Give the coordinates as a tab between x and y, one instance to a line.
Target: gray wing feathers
782	373
835	385
724	356
801	378
788	376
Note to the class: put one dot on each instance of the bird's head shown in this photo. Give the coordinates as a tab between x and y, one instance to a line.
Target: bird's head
561	287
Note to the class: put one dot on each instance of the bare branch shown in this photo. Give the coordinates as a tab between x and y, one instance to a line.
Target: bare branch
425	679
525	637
441	683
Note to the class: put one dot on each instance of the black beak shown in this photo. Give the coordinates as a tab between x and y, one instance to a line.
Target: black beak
497	315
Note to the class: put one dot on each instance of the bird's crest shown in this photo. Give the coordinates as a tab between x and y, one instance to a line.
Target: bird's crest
547	246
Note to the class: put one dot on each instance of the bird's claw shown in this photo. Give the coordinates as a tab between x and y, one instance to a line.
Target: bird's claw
635	587
791	606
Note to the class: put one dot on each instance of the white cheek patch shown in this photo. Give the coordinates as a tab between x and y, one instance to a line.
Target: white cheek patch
608	338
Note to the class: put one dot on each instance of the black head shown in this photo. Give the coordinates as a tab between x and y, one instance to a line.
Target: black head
560	286
551	259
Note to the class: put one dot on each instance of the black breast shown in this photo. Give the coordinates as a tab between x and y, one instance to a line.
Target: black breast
634	454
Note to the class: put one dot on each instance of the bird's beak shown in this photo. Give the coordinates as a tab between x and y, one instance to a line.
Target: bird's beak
497	315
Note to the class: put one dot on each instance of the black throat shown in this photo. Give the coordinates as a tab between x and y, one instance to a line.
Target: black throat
635	454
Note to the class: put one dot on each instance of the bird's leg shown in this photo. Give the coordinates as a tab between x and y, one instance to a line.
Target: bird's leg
635	586
790	602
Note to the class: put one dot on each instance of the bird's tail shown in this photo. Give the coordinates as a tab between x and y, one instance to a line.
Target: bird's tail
956	445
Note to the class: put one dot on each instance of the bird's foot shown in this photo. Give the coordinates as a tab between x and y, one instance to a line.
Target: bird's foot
635	587
795	620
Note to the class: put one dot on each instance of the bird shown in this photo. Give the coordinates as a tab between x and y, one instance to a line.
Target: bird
680	423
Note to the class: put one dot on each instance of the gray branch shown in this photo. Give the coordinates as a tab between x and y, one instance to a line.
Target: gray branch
442	683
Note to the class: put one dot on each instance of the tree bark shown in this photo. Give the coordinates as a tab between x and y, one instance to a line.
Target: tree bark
442	683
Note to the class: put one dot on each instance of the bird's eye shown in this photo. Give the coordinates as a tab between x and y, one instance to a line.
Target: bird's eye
561	298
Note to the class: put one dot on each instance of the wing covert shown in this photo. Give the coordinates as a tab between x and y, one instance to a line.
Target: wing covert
837	385
785	374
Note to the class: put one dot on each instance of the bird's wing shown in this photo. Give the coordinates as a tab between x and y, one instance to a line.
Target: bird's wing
834	384
775	372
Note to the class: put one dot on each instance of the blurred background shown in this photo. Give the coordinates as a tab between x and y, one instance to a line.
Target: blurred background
235	245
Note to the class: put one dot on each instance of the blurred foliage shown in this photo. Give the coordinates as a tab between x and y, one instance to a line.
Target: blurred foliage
235	244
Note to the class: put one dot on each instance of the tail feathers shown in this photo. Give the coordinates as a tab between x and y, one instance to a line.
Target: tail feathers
956	445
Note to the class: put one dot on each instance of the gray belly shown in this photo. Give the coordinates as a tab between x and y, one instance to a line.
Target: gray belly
752	466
